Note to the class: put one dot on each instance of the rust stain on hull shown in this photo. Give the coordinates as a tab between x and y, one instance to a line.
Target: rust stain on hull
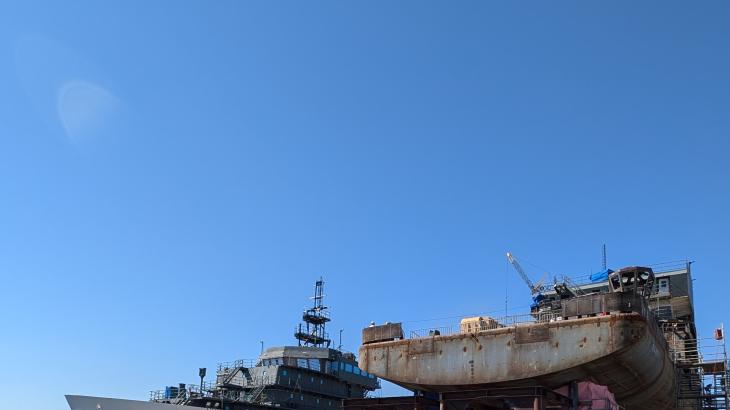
621	351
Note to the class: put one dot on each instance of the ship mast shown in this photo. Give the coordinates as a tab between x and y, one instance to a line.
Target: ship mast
312	331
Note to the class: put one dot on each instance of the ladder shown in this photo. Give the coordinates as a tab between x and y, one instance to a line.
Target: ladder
254	395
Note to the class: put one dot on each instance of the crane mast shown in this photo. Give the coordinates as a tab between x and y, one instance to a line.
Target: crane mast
533	289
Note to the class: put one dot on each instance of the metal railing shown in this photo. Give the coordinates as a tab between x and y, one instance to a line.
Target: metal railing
704	350
208	386
177	395
658	268
317	313
670	266
210	389
226	366
489	323
704	382
432	331
158	395
190	390
639	305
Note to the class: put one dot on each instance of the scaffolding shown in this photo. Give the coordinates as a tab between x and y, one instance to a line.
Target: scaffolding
532	397
701	363
702	377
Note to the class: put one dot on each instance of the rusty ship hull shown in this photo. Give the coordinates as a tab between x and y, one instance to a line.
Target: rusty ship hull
623	351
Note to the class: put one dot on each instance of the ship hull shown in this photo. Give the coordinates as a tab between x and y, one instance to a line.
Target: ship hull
104	403
621	351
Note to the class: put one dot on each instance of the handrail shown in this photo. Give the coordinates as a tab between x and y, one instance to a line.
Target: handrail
490	323
232	365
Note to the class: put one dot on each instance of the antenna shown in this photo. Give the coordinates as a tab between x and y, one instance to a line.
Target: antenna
313	332
604	257
506	288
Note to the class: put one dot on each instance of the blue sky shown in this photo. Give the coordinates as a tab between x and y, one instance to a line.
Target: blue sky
174	176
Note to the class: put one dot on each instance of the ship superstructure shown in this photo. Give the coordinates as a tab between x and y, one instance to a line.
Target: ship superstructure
308	376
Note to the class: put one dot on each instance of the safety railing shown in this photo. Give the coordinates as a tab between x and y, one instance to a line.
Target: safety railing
432	331
176	395
316	313
487	323
635	304
671	266
705	380
704	350
658	268
169	396
158	395
226	366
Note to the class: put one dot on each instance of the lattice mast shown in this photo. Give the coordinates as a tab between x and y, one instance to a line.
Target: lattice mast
312	331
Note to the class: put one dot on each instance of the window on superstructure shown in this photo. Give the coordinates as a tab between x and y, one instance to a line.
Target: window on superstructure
615	283
302	363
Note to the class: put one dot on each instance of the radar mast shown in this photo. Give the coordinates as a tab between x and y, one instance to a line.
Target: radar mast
312	331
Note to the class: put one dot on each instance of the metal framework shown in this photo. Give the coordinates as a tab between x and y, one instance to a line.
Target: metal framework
702	368
313	333
533	397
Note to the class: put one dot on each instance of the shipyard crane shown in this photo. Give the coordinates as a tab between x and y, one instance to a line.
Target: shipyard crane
534	289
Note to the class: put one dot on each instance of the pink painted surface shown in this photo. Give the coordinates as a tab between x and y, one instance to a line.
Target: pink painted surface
598	396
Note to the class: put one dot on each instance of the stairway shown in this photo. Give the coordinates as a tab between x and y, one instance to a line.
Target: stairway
254	395
689	388
231	374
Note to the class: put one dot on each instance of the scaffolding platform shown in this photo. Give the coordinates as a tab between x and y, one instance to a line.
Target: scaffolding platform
703	375
534	397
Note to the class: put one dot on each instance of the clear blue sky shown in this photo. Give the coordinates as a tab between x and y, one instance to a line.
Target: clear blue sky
175	175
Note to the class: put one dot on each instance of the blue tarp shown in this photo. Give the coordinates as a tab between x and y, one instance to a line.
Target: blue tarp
601	276
536	301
